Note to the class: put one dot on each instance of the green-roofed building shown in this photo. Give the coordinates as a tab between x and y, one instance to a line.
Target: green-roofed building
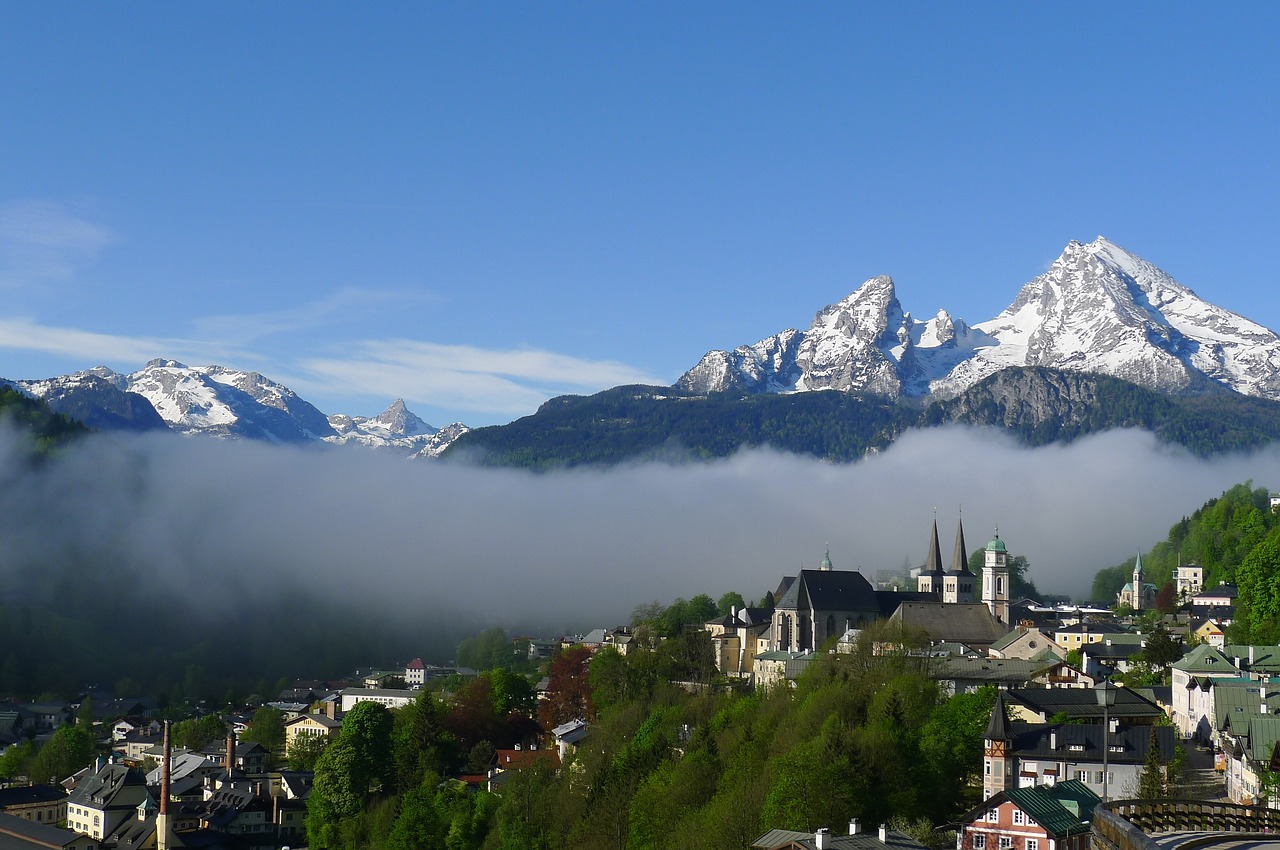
1041	817
1249	753
1192	702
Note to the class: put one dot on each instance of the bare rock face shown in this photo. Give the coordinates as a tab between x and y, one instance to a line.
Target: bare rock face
1098	309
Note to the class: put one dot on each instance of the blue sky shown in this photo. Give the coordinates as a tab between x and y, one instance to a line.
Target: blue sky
478	206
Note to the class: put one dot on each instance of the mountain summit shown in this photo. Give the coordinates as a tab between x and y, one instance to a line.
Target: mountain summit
1098	308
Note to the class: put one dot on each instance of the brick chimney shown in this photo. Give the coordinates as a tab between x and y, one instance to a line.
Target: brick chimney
231	750
162	819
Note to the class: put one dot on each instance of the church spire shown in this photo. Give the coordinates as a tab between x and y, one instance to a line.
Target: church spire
960	557
933	563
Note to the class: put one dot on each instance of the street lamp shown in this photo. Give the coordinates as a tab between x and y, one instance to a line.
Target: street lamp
1106	694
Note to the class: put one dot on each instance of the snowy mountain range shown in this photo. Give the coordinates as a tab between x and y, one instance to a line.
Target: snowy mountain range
1098	309
216	401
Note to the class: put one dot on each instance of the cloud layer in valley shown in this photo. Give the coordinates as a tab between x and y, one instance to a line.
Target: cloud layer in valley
577	549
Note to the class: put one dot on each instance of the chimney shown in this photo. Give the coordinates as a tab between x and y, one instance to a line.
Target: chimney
231	749
854	827
162	818
884	833
822	839
1251	656
1053	740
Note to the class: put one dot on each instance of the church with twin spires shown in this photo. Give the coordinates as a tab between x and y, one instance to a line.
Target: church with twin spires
820	604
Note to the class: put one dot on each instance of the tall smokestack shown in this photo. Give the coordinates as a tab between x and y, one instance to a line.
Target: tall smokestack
231	749
162	819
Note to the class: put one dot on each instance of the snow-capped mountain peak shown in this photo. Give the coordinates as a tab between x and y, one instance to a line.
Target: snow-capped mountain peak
1098	308
218	401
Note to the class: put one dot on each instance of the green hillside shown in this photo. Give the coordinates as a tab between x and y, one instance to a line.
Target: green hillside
1038	406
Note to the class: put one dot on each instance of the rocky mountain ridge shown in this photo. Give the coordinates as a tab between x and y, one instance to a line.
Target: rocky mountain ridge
1097	309
221	402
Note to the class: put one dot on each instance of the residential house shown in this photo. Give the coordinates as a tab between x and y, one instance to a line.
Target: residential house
1249	748
1022	755
1192	676
963	675
1027	642
1082	634
1189	580
1041	817
36	803
415	673
105	799
251	757
389	697
126	725
1222	596
737	637
310	724
1208	631
568	737
541	650
46	716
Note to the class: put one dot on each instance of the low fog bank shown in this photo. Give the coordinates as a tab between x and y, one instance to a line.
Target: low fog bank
577	549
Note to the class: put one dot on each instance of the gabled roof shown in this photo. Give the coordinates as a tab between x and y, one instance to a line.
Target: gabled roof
1063	809
1017	633
1237	701
112	783
831	590
1005	671
968	623
1082	703
1263	734
1205	659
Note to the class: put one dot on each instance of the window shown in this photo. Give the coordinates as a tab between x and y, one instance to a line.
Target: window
993	816
979	842
1005	842
1033	844
1082	775
1019	819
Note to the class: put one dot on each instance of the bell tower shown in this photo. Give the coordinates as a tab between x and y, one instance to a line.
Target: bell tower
995	579
997	752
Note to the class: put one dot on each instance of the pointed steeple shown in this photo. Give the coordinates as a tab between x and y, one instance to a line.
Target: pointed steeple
960	557
933	563
998	728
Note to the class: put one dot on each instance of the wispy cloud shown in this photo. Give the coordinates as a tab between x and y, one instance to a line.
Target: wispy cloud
44	240
336	308
24	334
465	377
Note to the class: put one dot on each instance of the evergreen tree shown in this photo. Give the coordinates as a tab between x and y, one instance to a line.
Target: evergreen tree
1151	782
